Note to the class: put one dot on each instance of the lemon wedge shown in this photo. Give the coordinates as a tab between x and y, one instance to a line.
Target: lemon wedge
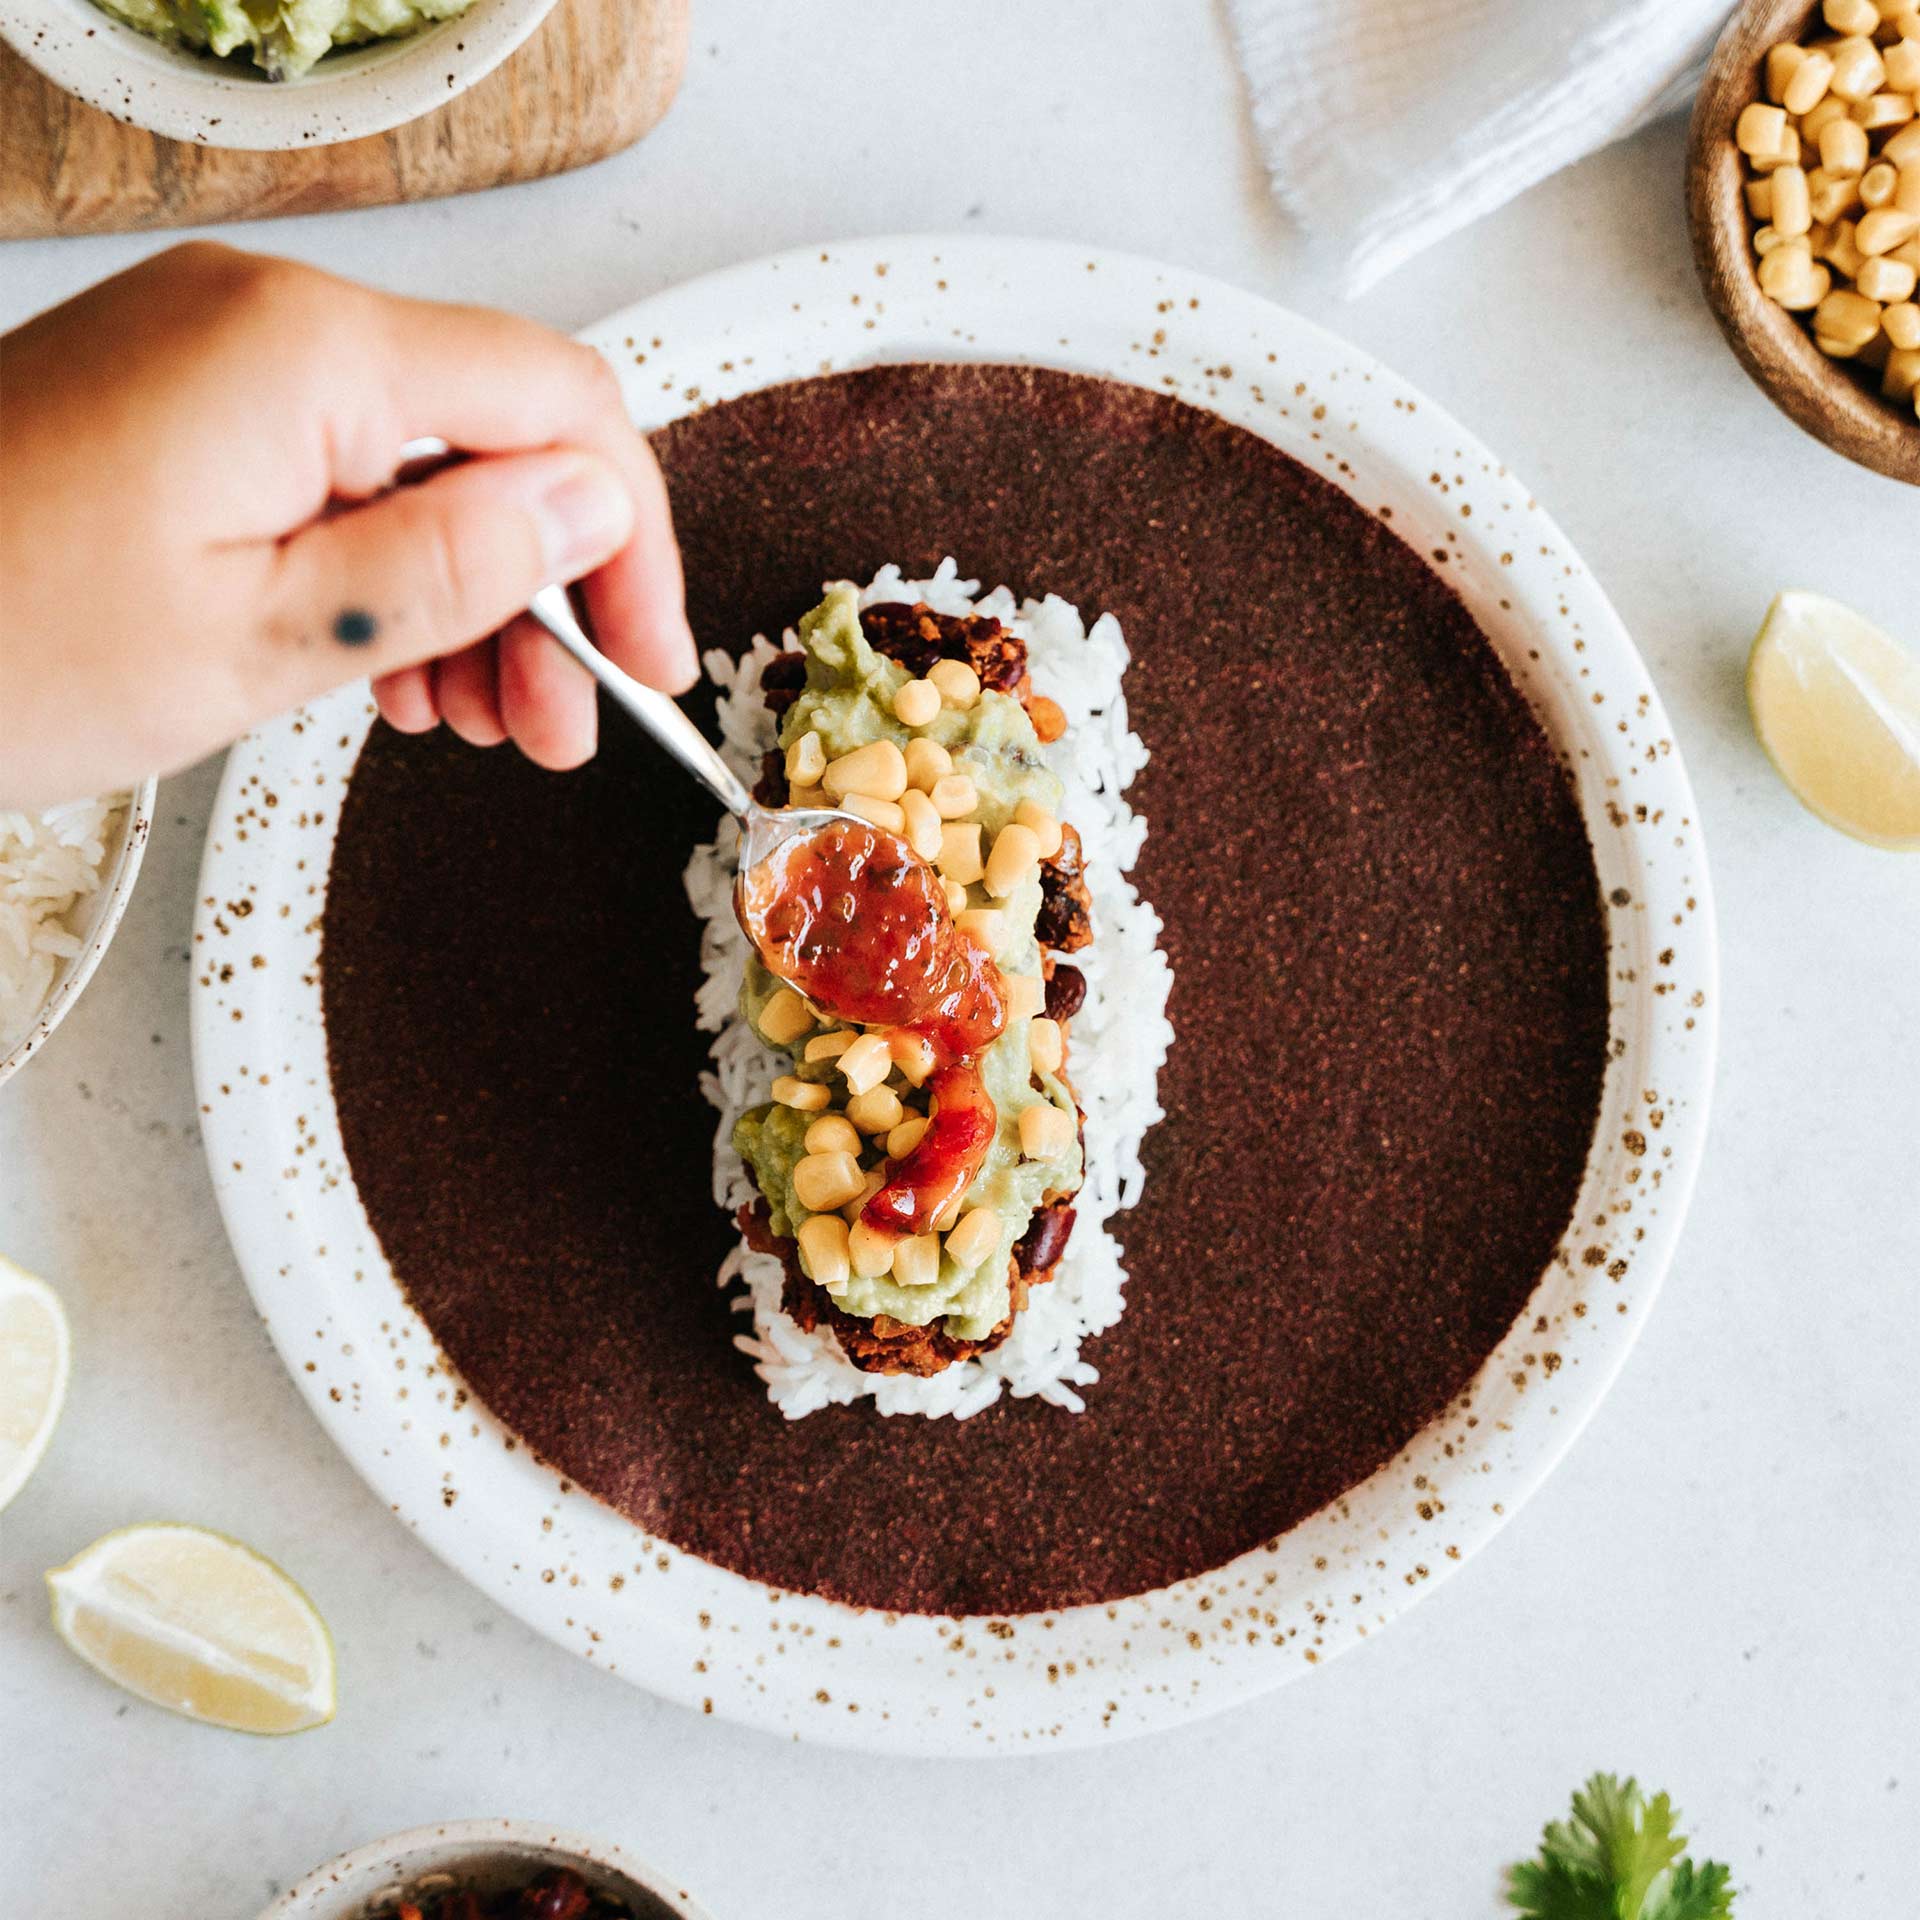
35	1357
197	1623
1836	704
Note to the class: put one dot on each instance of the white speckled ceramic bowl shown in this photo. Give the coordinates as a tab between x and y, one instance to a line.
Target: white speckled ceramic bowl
224	103
797	1664
486	1855
109	903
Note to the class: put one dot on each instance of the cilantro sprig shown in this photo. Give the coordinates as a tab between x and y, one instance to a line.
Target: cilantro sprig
1618	1858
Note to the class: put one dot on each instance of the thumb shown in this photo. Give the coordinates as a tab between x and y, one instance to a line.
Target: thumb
429	569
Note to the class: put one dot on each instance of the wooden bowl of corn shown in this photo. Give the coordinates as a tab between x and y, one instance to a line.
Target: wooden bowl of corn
1803	195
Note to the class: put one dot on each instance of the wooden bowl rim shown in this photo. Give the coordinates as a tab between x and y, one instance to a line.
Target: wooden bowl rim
1818	394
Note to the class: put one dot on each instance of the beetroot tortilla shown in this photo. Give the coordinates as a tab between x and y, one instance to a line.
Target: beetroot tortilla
1390	995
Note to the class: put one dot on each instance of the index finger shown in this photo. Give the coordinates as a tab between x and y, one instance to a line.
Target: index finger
490	382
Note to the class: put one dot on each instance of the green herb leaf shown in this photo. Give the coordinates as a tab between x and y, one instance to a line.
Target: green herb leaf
1618	1858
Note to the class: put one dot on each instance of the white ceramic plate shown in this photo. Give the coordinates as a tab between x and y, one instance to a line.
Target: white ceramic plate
219	103
641	1608
110	902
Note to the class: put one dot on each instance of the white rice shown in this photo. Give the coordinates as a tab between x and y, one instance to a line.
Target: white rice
1120	1036
50	865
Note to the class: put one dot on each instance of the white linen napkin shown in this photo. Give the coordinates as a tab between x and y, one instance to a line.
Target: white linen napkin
1388	124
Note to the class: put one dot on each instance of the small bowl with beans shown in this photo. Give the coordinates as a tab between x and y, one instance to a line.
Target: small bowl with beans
1803	194
485	1870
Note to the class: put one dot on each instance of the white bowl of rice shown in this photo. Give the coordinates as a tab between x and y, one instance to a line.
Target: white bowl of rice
65	876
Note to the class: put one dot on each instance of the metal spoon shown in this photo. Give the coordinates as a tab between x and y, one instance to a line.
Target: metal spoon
763	831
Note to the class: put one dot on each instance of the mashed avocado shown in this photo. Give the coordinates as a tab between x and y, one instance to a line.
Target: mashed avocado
283	37
848	701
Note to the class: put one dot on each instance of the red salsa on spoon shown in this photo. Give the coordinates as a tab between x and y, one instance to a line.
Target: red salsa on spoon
854	919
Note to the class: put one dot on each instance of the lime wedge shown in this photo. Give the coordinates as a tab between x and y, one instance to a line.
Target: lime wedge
1836	704
197	1623
35	1355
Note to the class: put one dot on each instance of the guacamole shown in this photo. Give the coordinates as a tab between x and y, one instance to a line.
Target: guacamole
283	37
848	702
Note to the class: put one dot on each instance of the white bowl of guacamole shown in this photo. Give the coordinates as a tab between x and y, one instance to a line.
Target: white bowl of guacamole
267	73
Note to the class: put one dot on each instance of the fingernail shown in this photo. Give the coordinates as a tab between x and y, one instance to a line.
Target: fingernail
584	517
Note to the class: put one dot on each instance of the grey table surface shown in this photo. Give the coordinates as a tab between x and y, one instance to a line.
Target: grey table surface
1718	1590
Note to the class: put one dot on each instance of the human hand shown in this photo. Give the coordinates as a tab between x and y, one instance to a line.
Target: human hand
194	534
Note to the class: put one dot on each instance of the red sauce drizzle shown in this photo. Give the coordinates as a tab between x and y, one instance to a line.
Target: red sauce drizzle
854	919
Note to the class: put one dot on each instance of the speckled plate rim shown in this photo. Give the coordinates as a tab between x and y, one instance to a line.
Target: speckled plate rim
190	96
115	890
806	1667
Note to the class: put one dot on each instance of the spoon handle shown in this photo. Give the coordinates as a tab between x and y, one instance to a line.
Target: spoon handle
660	715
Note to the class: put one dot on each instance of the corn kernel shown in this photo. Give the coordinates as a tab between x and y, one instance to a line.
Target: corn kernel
1783	60
1807	86
922	823
1851	16
1814	124
954	796
803	796
1883	110
927	761
1901	380
1848	318
975	1236
1903	149
878	768
1842	251
1026	995
1877	185
944	1220
1884	229
1902	62
960	852
1760	197
870	1251
866	1063
1843	147
985	925
1901	324
824	1252
1886	279
806	761
1015	855
1044	827
825	1182
912	1053
956	896
871	1185
786	1017
916	1259
1788	274
1792	213
1788	154
878	1110
1906	192
1044	1130
804	1096
832	1133
1831	196
880	813
902	1140
1858	70
958	683
916	703
1045	1048
830	1046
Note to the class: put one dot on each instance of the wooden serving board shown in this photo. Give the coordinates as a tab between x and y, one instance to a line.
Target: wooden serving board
594	77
